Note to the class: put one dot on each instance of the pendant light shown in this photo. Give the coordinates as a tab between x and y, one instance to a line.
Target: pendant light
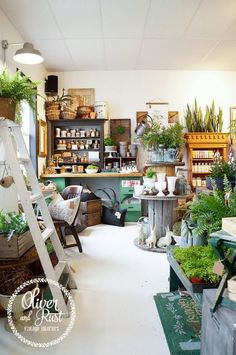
26	55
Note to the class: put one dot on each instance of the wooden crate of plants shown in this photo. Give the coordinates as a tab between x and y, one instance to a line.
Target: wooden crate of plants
16	246
92	210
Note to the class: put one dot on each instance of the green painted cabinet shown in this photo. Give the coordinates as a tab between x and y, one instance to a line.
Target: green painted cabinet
127	200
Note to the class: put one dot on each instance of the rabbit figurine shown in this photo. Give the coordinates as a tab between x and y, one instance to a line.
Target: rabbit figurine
141	235
152	239
165	241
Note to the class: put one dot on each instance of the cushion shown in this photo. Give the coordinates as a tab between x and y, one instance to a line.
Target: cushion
64	210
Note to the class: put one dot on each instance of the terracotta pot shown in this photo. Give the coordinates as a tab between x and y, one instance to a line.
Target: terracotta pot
196	280
7	108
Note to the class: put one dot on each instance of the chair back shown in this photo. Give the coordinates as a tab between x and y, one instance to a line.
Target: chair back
72	191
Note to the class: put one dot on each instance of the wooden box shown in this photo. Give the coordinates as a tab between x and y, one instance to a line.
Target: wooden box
16	247
92	210
93	218
116	127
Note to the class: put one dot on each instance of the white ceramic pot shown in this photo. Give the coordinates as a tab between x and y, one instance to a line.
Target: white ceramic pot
161	176
149	182
171	180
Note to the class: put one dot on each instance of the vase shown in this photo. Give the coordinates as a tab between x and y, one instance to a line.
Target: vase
160	186
161	176
171	180
170	154
149	183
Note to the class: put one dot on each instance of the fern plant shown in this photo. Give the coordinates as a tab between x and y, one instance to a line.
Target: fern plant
208	210
18	88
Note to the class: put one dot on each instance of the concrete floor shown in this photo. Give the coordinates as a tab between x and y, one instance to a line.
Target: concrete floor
116	313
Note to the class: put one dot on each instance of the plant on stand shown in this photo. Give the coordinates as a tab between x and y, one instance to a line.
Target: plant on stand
110	144
149	178
13	90
219	170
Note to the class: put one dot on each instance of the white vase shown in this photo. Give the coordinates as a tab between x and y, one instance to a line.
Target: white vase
161	176
171	180
160	186
149	183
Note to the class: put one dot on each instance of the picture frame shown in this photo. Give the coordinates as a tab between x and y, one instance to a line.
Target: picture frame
82	97
42	138
173	117
141	116
232	111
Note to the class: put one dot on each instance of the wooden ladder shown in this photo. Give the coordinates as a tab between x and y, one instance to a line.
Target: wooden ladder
16	156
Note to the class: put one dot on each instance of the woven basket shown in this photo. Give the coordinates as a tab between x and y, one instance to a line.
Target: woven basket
68	115
53	115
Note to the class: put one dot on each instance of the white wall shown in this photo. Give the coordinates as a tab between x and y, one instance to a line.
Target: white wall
8	197
128	91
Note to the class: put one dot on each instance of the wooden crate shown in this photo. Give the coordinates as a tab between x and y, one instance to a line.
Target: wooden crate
93	218
91	206
16	247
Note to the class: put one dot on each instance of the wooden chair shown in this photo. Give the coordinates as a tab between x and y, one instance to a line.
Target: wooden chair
69	192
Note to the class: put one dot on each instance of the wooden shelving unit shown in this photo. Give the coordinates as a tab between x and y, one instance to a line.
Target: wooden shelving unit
201	147
76	124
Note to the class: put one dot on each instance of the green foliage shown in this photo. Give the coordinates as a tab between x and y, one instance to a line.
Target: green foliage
197	122
169	137
197	261
120	129
50	247
221	168
208	210
92	166
150	173
18	88
12	223
109	141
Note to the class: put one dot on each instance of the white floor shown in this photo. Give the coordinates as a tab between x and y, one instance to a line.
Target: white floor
116	313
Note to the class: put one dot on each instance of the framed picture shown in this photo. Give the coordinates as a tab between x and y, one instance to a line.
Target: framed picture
141	116
42	138
173	117
232	128
82	97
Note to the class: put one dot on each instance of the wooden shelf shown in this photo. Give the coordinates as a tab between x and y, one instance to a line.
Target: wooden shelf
202	159
200	173
75	138
77	150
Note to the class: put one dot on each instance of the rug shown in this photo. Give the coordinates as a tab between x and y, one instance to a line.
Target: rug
181	321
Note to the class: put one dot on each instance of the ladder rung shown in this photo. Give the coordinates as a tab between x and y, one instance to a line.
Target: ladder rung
23	160
35	198
59	268
47	233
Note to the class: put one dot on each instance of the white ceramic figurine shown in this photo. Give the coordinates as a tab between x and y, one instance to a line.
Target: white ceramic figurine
152	239
165	241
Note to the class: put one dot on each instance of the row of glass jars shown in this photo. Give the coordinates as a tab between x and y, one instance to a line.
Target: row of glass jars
75	145
73	133
161	154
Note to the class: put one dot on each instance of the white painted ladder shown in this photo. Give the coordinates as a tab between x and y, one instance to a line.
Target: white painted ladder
16	155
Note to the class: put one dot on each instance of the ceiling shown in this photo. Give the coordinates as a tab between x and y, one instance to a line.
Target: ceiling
128	34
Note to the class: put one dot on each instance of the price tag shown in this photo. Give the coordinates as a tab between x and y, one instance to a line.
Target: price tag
218	268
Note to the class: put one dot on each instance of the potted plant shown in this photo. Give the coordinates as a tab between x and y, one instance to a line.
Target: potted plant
220	169
196	121
15	237
173	140
197	263
110	145
13	90
207	211
149	178
54	105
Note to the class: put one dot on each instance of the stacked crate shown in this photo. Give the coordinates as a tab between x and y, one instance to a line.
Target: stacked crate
92	210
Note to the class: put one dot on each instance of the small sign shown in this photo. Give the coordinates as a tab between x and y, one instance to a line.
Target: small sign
218	268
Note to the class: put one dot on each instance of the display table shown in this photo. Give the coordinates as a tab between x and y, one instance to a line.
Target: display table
162	211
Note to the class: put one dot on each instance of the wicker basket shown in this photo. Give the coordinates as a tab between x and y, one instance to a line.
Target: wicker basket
68	115
53	114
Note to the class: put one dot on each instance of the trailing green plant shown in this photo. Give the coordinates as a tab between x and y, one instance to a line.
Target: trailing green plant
12	223
150	173
109	141
196	121
207	211
198	262
18	88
